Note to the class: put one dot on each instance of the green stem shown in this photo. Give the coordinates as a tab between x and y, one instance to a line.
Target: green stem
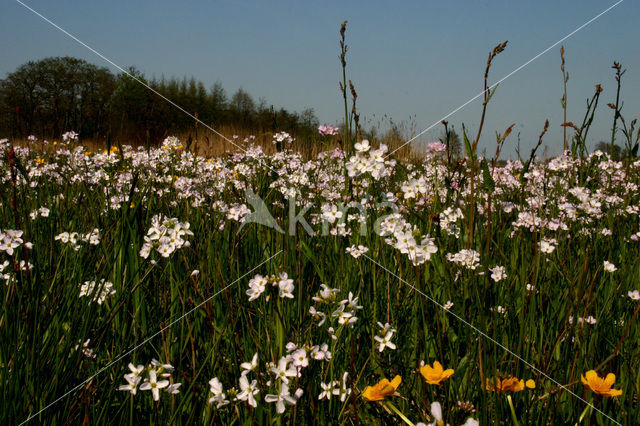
513	411
584	413
402	416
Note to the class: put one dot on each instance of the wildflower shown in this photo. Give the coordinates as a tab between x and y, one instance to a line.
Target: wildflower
352	302
250	366
512	384
436	374
218	393
498	273
448	305
248	390
358	251
382	389
321	352
362	146
132	383
344	318
300	358
327	390
173	388
286	286
547	246
282	372
154	385
470	259
634	295
609	267
325	294
599	385
341	389
281	398
99	291
436	412
317	315
385	341
327	130
165	369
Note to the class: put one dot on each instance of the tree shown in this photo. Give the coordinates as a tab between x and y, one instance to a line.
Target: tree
243	106
53	95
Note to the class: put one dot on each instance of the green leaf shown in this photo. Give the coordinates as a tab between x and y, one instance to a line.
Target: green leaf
467	145
487	181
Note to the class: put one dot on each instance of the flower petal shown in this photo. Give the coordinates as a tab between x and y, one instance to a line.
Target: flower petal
396	382
610	379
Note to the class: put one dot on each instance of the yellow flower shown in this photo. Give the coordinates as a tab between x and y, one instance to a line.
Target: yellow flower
599	385
381	389
436	374
512	384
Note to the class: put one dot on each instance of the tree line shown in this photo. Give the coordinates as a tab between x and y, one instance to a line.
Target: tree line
50	96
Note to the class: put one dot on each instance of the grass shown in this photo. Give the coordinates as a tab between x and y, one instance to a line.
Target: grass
138	286
43	317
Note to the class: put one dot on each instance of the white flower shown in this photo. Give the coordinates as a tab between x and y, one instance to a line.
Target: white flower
248	390
100	291
283	397
498	273
344	318
317	315
352	302
154	385
327	390
609	267
250	366
436	412
299	358
132	383
358	251
385	341
286	286
325	294
547	246
321	352
218	393
634	295
362	146
343	391
282	372
448	305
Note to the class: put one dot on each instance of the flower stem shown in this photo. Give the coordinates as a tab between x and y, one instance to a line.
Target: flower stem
513	411
402	416
584	413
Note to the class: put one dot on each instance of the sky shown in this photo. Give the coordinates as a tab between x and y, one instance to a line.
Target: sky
411	61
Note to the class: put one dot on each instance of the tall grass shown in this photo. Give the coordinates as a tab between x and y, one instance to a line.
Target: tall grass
551	226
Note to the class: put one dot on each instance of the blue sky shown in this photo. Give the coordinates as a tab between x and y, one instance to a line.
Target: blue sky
414	61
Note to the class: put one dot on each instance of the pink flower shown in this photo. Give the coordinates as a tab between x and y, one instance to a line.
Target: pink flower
437	147
327	130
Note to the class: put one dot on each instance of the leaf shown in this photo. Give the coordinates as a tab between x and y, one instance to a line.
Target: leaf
467	145
487	181
18	165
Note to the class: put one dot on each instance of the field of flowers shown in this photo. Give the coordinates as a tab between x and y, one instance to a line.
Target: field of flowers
152	286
